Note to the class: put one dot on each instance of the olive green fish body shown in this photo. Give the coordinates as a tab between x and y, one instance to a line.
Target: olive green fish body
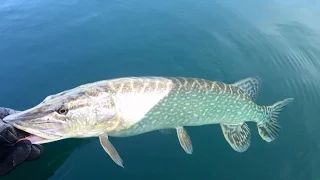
192	102
135	105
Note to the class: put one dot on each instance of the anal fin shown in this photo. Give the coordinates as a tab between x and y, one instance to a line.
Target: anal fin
109	148
237	135
184	140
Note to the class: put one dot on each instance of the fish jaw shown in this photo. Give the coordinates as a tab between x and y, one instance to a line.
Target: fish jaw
85	111
47	129
35	136
37	140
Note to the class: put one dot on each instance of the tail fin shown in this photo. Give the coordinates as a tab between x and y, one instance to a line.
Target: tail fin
269	128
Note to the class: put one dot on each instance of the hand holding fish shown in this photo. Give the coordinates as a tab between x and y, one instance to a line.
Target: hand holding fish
13	151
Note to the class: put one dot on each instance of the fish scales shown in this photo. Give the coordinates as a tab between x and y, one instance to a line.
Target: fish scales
134	105
189	102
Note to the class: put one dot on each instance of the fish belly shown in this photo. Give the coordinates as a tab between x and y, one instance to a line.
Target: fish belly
194	107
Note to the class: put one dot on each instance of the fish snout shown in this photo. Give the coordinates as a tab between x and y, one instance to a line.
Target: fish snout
21	116
11	118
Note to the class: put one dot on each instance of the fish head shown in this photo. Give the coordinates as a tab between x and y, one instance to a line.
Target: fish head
76	113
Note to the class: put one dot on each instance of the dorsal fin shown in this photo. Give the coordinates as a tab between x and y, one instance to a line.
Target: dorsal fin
251	86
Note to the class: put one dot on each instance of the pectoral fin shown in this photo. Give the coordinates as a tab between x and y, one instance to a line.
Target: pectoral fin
237	135
108	147
184	140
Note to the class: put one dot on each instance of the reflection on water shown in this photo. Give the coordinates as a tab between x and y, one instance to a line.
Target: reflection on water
49	46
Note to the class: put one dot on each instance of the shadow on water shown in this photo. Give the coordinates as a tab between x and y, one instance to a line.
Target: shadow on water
54	156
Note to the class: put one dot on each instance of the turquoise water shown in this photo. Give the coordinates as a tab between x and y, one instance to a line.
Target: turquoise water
49	46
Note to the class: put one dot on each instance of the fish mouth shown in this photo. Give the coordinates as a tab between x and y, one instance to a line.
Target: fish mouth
35	136
32	128
34	139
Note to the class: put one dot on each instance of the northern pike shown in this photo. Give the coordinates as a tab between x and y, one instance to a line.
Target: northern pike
130	106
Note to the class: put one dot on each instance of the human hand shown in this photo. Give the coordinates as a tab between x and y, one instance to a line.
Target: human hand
14	152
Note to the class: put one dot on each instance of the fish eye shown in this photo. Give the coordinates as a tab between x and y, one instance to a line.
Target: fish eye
62	110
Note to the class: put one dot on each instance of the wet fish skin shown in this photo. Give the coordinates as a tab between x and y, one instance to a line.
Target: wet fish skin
131	106
183	102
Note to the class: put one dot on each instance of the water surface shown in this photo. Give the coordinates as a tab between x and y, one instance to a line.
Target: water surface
50	46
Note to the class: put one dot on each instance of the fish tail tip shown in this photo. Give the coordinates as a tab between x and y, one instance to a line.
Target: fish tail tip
269	129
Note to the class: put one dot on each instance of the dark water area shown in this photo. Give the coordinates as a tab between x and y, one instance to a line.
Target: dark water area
50	46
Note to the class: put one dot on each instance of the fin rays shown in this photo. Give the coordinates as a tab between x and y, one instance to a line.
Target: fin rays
238	136
109	148
269	129
251	86
184	140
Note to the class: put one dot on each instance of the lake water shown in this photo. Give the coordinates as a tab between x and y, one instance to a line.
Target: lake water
50	46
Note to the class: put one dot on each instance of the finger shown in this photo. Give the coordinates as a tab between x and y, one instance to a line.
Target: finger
6	111
19	153
36	151
3	112
7	134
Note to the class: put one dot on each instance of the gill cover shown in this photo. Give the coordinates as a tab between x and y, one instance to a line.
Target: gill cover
86	111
